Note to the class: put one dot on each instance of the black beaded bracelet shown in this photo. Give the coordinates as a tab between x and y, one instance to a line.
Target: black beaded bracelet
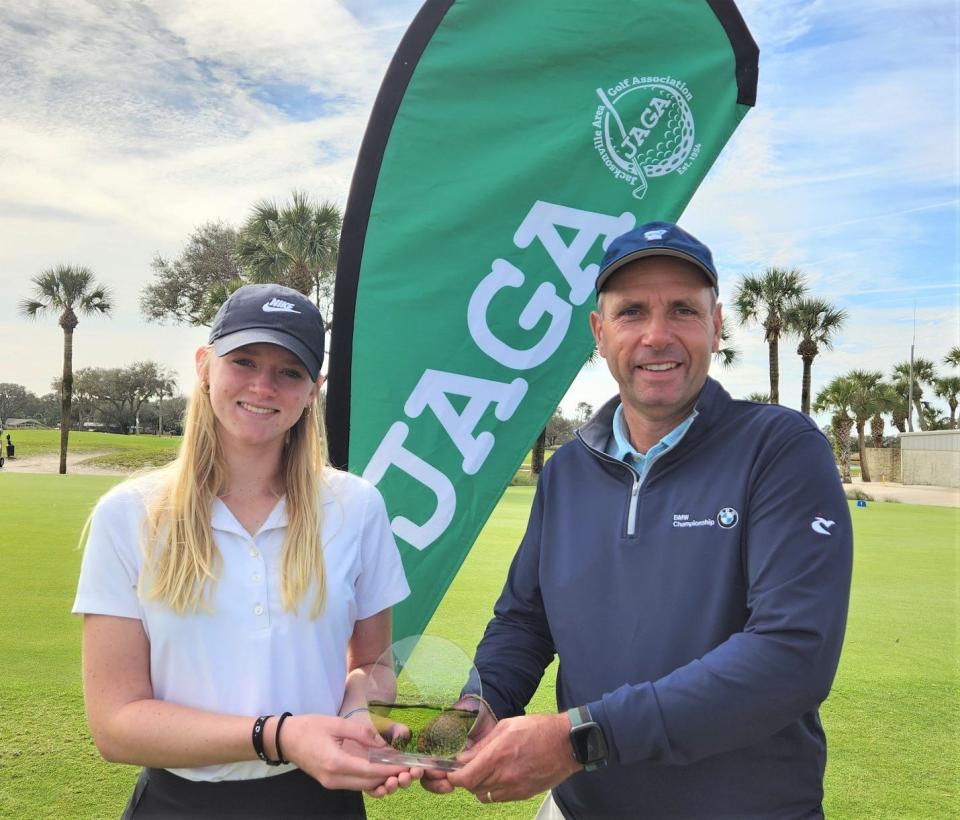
258	740
283	717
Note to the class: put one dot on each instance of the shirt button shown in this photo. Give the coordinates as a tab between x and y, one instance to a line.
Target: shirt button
255	576
258	610
253	552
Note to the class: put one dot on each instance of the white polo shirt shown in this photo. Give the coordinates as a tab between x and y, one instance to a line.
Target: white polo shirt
249	656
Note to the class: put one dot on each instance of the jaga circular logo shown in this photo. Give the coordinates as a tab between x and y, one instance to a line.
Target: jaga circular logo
643	128
728	517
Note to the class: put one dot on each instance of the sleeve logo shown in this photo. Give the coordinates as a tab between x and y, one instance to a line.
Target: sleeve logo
822	525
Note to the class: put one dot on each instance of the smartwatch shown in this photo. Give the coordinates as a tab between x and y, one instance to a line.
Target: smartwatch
587	740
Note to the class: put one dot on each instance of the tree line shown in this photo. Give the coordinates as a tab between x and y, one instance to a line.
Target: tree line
293	244
296	244
862	396
779	302
141	397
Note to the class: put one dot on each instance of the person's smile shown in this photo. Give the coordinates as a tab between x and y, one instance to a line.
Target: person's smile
256	409
655	368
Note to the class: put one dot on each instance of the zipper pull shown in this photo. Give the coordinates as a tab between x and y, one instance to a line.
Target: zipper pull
632	513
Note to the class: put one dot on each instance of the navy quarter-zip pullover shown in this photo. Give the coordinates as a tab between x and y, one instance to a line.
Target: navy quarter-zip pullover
699	614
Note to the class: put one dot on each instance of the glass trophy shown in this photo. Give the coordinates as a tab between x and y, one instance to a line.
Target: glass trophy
418	696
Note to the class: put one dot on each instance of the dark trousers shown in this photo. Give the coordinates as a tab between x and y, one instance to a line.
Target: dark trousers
160	795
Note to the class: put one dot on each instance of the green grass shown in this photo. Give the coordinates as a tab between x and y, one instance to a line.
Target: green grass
127	453
892	720
48	766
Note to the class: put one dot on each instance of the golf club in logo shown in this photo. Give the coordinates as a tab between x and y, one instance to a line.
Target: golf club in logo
644	128
728	517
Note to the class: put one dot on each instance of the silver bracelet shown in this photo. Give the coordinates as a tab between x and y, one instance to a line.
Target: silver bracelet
354	711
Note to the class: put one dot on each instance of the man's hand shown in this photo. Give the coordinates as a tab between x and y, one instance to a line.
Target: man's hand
486	720
435	780
519	758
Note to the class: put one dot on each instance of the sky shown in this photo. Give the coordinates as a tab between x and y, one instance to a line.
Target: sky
126	125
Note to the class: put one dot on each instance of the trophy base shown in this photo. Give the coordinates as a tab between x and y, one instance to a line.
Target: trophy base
411	760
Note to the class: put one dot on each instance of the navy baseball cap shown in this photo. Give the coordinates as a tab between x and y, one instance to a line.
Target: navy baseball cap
273	314
656	239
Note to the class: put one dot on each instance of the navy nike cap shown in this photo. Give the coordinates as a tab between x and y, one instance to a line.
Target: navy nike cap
273	314
656	239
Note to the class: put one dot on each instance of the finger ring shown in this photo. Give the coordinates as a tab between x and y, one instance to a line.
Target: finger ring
489	797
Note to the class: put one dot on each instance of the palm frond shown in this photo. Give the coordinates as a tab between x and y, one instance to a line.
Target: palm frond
66	288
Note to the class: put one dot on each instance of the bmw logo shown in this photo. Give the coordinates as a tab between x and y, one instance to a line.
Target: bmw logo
728	517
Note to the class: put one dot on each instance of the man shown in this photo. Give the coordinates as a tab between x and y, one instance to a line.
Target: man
688	558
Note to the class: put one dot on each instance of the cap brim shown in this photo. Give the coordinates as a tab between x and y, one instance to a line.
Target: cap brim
230	342
614	266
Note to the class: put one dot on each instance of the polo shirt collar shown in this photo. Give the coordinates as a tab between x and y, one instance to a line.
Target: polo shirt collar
621	449
222	519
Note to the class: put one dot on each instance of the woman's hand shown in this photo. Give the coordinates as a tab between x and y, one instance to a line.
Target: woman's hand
334	752
396	735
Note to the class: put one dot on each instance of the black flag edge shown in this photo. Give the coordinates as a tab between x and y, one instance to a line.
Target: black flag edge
356	217
746	52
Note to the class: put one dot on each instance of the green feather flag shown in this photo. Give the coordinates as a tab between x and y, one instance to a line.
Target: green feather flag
511	141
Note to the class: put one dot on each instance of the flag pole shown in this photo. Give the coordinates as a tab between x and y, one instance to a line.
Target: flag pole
913	342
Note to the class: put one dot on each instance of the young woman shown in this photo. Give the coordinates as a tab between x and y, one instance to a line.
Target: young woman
234	601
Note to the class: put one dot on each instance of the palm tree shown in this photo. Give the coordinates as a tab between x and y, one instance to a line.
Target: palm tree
933	419
66	290
898	412
953	357
295	244
815	321
948	388
888	400
923	373
764	299
763	398
727	354
836	396
866	399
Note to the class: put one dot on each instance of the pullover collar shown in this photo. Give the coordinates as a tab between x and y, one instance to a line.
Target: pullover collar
597	432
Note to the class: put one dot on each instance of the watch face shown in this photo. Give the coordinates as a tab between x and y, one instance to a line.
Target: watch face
589	744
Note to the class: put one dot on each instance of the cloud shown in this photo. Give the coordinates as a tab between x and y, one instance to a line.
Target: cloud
318	44
128	124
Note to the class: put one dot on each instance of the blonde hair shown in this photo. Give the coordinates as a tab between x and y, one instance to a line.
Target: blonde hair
182	561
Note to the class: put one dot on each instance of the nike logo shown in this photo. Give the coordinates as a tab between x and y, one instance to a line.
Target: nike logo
278	306
822	525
